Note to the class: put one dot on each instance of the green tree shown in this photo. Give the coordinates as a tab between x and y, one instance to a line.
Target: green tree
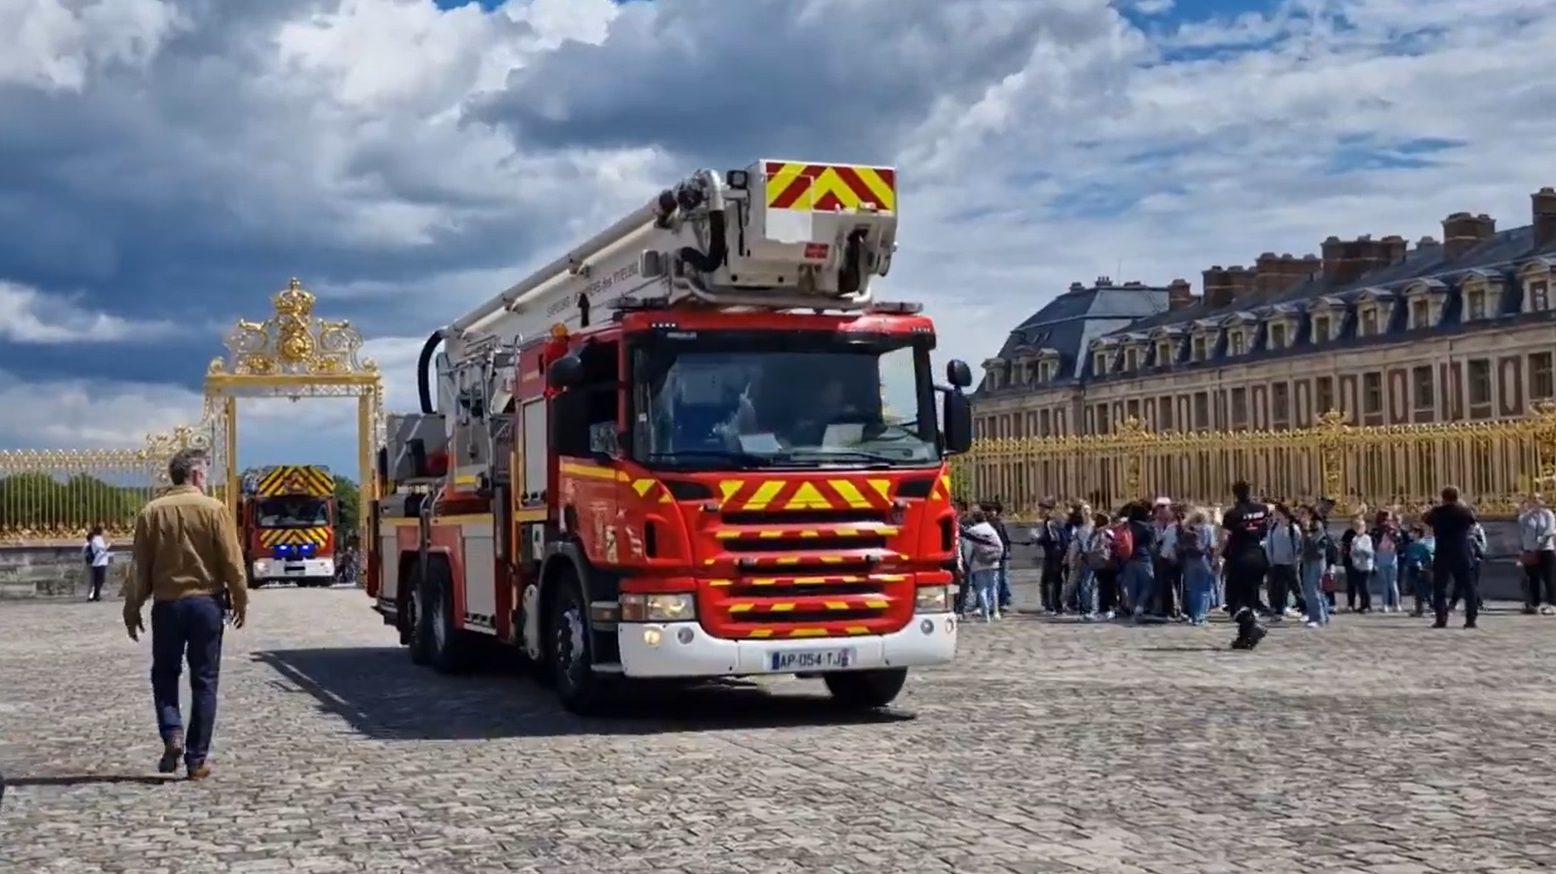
348	509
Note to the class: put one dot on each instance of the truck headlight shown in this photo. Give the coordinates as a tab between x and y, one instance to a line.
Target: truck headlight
932	599
678	607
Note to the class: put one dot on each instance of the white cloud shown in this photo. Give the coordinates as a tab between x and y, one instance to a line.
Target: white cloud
29	316
408	162
57	44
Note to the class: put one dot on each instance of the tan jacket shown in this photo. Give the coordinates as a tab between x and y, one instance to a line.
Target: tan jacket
186	544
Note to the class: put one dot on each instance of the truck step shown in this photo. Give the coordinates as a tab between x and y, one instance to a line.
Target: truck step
607	668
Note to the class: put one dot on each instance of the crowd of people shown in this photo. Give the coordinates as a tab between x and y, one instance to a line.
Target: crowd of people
1168	561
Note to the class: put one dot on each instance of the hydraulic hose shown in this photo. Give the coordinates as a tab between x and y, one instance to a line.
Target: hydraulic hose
423	361
711	260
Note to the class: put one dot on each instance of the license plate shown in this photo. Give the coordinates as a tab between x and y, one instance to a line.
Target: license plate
810	659
295	568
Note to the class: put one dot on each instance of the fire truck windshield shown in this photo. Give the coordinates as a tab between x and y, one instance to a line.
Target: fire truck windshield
784	400
293	511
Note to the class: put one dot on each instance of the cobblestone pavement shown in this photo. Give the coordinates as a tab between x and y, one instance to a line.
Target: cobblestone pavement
1377	745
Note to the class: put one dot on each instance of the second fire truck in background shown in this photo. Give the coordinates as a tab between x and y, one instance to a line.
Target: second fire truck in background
287	521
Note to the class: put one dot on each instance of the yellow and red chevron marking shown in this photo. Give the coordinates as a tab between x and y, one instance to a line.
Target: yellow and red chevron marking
836	604
866	530
273	537
820	493
834	631
833	580
295	479
830	187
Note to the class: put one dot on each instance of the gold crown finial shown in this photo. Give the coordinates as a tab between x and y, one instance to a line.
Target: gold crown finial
294	301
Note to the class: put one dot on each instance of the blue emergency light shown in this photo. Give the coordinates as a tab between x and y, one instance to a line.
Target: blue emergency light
293	550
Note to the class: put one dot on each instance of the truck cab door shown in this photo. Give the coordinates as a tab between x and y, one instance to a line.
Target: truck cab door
585	421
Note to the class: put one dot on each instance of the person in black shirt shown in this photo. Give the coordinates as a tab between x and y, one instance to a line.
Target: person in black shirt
1452	523
1244	527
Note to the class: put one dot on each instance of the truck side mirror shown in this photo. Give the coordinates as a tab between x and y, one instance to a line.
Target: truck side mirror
565	372
958	373
956	419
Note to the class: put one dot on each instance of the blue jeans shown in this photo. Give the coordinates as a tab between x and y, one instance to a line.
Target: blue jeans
189	627
1387	578
986	584
1312	592
1140	581
1004	582
1086	589
1198	586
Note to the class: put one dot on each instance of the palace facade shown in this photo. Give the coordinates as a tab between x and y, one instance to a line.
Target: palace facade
1388	333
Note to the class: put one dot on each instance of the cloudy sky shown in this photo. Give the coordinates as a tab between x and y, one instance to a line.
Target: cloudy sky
166	165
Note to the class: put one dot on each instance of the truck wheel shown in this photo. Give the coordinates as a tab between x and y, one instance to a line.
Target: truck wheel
417	633
579	688
866	690
448	646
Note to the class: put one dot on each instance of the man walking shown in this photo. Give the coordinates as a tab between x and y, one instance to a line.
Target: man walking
189	564
1242	546
1452	523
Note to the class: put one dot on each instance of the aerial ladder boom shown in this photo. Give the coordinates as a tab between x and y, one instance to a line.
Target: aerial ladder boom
778	234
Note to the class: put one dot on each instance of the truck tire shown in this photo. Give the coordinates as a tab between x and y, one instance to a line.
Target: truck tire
449	648
866	690
570	652
416	633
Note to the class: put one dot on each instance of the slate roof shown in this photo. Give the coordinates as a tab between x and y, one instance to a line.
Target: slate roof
1068	323
1077	318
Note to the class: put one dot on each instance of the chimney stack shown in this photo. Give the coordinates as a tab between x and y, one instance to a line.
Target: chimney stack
1104	282
1275	273
1242	280
1544	209
1394	248
1217	287
1179	294
1463	232
1077	286
1346	261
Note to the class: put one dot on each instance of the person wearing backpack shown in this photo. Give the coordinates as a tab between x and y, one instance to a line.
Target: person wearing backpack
983	566
1419	557
1103	564
1283	551
1140	569
1385	547
1195	549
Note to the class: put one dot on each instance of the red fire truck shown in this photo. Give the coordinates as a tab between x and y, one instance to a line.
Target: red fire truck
694	447
287	523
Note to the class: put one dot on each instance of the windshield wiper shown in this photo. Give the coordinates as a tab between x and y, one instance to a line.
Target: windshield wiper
879	459
748	459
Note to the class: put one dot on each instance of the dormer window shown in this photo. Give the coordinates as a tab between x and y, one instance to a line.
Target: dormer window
1131	359
1277	335
1322	329
1045	371
1537	276
1201	347
1164	354
1099	363
1367	321
1426	298
1474	304
1236	342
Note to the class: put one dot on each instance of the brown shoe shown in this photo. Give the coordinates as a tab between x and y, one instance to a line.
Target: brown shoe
200	771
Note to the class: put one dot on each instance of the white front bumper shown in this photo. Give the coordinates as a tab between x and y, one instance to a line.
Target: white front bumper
703	655
282	569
